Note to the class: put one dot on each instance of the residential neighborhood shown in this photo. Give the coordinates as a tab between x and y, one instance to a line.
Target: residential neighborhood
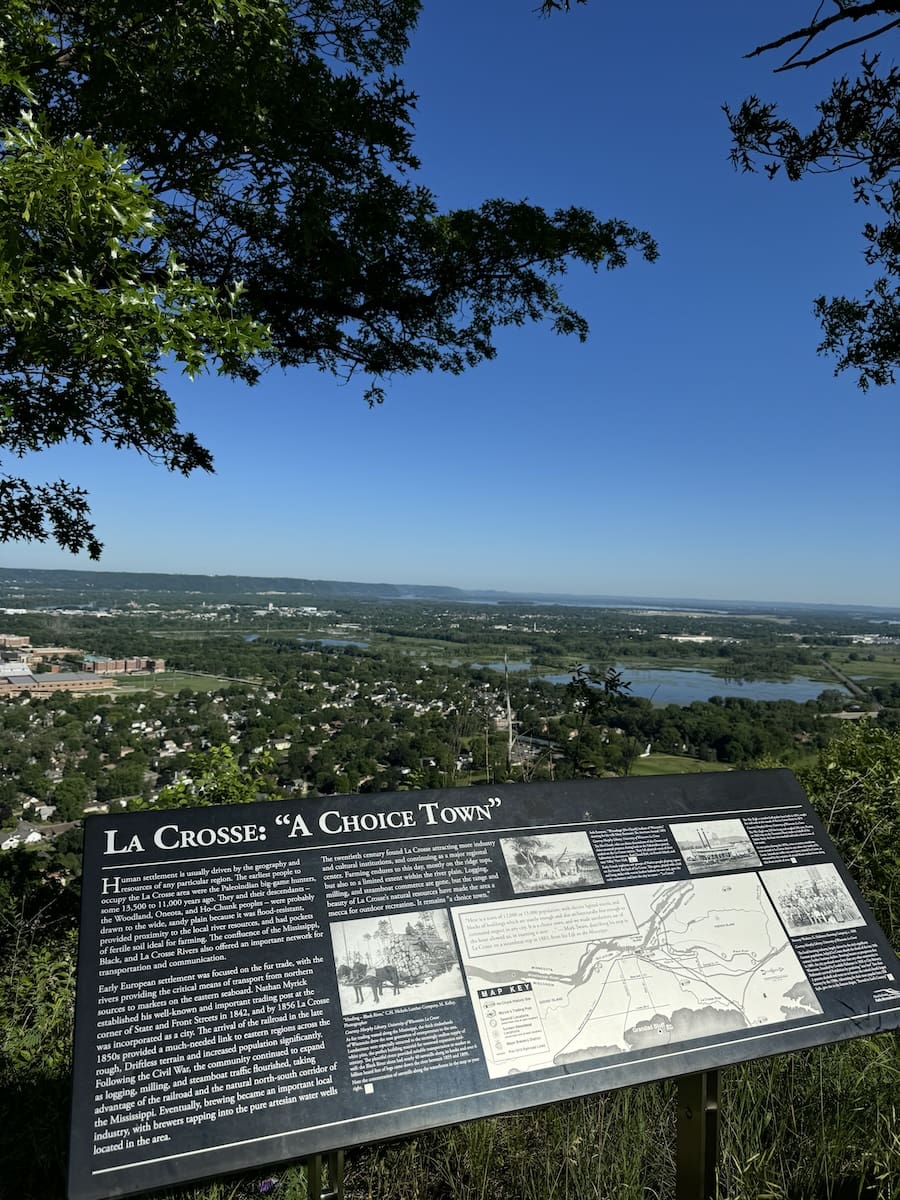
107	700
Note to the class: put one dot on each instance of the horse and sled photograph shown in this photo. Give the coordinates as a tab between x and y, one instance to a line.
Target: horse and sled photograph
392	961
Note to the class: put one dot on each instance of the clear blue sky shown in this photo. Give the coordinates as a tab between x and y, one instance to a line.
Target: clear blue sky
696	445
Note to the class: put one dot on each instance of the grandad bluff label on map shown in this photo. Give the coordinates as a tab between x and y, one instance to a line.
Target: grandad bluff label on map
266	981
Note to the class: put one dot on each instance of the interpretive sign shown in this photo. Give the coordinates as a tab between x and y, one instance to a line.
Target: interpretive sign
267	981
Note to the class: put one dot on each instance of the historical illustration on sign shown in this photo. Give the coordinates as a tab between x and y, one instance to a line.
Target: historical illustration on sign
812	899
562	979
400	959
550	862
708	846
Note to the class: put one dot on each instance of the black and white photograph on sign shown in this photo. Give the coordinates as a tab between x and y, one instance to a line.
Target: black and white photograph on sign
550	862
396	960
812	899
714	846
563	979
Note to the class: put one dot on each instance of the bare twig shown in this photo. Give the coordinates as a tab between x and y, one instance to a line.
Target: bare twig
817	27
810	62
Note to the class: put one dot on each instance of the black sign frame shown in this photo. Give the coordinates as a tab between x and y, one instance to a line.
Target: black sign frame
258	983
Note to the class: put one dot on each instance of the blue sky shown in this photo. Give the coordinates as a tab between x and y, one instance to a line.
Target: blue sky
695	446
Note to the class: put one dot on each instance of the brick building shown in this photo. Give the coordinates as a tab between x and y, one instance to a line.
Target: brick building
98	664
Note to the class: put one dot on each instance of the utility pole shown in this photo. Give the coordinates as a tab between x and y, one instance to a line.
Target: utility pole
509	720
487	757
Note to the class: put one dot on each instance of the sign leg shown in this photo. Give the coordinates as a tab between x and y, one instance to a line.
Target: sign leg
335	1166
336	1175
698	1136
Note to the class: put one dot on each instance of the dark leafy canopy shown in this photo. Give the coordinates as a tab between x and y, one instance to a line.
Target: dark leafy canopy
857	131
269	144
88	313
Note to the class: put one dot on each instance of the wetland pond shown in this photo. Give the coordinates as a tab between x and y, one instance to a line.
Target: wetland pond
679	686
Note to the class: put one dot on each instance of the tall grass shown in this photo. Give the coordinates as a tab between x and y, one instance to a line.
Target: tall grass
813	1125
616	1145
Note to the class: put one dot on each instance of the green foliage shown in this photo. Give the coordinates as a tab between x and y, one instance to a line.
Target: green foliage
37	988
125	779
855	786
70	796
33	907
856	131
816	1123
66	853
37	993
215	778
617	1146
591	695
37	998
275	149
93	306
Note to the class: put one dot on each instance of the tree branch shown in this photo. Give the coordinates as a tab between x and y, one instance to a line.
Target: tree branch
809	32
815	19
549	6
811	62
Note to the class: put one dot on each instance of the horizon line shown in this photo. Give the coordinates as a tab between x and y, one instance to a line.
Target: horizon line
534	595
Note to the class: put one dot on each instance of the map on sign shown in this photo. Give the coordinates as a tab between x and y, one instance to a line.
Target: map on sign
564	979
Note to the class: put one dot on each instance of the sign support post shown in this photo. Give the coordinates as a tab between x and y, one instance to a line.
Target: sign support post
335	1169
697	1136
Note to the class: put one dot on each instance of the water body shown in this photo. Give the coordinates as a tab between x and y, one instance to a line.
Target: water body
685	686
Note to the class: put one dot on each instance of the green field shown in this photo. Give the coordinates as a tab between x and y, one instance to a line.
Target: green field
884	669
673	764
174	681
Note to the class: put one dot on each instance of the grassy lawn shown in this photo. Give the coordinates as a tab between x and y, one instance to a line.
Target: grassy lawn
173	682
674	764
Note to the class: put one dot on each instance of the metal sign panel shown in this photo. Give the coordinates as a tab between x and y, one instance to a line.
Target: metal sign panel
262	982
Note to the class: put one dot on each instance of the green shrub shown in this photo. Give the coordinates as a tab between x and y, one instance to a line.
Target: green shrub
855	787
37	994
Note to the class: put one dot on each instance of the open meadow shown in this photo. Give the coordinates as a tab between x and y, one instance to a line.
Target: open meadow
174	681
878	664
673	764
